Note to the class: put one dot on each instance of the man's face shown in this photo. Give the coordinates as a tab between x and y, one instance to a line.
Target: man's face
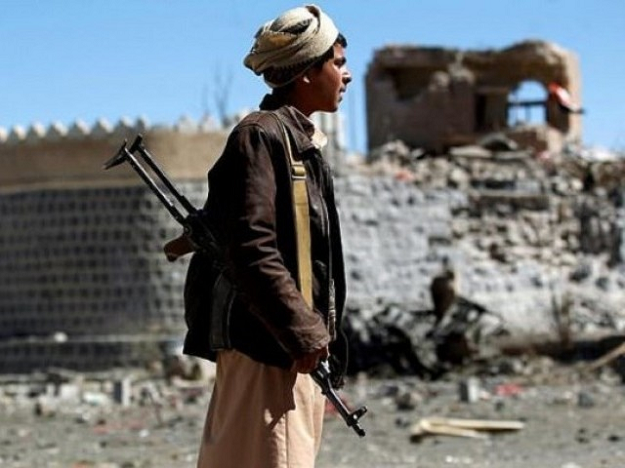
330	81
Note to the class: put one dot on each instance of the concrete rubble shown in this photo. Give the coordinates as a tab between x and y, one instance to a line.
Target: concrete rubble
534	244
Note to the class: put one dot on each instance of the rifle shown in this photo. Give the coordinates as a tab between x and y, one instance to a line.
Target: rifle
194	227
201	236
322	376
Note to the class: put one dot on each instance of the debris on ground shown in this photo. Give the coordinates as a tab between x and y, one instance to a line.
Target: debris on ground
473	428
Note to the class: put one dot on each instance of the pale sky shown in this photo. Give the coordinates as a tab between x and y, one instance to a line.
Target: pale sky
67	60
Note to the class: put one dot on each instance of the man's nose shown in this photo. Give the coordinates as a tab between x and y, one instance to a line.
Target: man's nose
347	77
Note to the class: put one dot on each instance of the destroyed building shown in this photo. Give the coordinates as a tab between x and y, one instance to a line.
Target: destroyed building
435	98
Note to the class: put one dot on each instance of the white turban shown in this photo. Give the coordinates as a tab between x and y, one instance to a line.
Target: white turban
296	37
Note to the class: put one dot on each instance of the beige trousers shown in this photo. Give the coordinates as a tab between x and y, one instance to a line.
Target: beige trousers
261	416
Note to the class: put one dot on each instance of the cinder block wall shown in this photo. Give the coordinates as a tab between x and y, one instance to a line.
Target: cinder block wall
84	282
88	261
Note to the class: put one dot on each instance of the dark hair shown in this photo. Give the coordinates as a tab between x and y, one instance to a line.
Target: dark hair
277	75
329	55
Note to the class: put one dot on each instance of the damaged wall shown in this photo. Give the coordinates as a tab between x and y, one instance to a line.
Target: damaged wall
525	236
435	98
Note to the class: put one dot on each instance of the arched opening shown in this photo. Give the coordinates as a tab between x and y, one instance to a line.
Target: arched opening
526	104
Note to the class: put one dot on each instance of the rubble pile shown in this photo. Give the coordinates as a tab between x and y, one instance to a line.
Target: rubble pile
535	239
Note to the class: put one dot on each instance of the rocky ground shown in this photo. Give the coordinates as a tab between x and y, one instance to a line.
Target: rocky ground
572	419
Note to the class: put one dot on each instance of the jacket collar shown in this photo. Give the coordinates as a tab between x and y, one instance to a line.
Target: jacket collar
303	132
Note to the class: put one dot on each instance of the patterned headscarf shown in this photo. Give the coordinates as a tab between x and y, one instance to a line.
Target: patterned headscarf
294	39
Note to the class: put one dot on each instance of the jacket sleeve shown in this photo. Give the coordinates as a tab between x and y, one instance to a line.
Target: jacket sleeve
259	264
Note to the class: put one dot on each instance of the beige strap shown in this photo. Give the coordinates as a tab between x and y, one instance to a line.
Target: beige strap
301	218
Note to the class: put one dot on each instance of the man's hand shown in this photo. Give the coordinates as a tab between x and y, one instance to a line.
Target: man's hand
176	248
309	362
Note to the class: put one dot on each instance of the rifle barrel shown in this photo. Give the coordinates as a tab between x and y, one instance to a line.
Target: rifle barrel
137	146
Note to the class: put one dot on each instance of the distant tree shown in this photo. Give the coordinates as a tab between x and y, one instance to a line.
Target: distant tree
222	86
205	107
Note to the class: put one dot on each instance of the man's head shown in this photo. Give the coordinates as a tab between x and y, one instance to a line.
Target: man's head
302	50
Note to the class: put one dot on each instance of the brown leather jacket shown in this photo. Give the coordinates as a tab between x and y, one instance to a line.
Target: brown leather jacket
250	207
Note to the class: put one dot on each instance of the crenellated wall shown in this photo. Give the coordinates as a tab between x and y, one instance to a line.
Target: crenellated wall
59	157
81	247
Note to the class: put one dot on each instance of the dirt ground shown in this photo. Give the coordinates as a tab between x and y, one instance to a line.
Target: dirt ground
570	421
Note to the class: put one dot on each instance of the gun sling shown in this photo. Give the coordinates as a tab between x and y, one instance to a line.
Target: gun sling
301	219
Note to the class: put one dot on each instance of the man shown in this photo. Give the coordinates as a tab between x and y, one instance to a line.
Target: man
265	409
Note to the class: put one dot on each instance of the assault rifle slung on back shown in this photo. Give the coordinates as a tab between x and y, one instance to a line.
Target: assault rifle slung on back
194	228
200	235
